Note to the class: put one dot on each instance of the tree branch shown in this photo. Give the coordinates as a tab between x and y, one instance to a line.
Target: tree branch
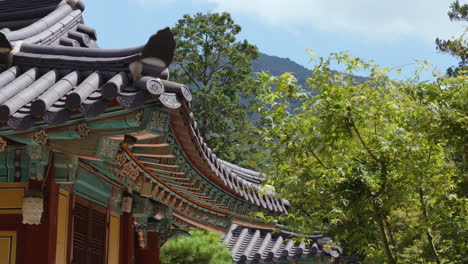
362	142
383	165
317	158
390	231
190	76
205	63
383	173
378	215
430	237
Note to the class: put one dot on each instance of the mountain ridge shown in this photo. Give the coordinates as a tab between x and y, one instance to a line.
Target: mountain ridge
277	66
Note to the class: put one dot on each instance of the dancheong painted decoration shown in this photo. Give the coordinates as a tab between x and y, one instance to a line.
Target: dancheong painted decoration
101	160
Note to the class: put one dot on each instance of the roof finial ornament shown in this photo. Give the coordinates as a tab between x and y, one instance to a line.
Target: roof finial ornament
156	56
161	46
78	4
4	42
5	49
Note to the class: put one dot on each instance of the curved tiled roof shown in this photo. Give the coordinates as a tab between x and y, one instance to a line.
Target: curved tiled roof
244	182
66	80
250	245
53	70
51	22
246	174
15	14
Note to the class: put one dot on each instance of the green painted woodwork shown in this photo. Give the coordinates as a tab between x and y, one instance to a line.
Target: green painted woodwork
117	124
101	121
163	196
234	203
23	139
19	163
158	122
7	168
164	226
142	207
115	201
38	153
91	187
76	139
63	134
107	148
66	167
38	160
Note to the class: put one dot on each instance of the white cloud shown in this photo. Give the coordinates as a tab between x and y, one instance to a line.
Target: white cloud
377	19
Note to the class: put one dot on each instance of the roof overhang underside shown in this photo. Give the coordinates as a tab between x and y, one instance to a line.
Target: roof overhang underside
118	114
50	86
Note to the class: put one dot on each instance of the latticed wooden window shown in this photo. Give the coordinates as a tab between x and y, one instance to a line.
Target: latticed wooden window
89	233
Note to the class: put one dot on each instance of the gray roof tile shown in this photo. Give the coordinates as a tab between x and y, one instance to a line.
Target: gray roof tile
56	71
251	245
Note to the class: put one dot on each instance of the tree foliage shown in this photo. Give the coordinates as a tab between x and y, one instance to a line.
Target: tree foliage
457	47
217	67
380	165
203	247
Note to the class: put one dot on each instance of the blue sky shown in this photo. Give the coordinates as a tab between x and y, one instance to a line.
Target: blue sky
392	33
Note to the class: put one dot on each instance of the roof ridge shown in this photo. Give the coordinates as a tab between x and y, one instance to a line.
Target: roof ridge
39	20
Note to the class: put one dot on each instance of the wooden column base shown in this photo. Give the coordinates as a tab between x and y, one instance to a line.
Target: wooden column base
149	254
127	239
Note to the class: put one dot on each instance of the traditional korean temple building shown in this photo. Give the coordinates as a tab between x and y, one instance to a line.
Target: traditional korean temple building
101	160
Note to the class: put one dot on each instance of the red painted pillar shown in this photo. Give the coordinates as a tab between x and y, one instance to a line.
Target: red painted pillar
149	254
153	245
36	243
40	241
127	239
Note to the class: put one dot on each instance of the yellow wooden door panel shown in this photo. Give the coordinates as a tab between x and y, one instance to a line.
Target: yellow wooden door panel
7	247
62	227
114	239
11	197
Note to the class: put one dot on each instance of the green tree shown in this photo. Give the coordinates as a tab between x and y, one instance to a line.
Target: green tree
376	164
217	67
203	247
457	47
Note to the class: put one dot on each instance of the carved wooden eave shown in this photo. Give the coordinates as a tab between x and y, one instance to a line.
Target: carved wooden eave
112	124
154	156
76	112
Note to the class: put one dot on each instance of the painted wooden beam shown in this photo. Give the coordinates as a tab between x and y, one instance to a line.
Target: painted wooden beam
164	156
165	171
140	135
160	165
199	224
166	185
143	145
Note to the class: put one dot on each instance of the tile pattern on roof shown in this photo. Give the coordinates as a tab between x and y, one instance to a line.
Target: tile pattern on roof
246	174
16	14
250	245
245	182
28	95
51	70
45	22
